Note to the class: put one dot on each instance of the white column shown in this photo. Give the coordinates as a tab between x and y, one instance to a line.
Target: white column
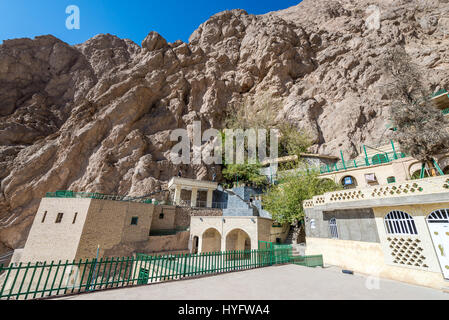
210	193
194	196
178	195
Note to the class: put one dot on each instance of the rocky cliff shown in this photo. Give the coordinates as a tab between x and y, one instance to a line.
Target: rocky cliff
97	116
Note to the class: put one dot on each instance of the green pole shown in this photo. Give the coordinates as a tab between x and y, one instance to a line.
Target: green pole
342	159
394	149
366	156
423	168
438	168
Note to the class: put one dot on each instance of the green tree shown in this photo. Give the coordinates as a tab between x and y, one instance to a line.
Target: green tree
293	141
246	173
284	201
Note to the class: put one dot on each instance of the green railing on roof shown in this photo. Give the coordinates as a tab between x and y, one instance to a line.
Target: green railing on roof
377	159
445	111
94	195
25	281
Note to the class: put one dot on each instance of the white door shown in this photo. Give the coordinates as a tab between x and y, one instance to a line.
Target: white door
438	222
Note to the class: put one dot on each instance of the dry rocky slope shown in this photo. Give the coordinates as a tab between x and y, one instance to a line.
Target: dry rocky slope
97	116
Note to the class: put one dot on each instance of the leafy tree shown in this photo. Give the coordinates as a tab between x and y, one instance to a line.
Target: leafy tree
246	173
421	127
284	201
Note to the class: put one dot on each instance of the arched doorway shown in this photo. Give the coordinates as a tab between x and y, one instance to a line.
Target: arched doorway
211	241
438	223
238	239
417	175
195	244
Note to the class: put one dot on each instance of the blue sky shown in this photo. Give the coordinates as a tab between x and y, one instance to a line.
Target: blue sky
132	19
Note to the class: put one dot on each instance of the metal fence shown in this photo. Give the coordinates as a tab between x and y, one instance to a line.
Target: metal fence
377	159
31	281
94	195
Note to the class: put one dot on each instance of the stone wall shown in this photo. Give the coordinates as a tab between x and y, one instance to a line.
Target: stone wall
183	215
163	218
109	225
49	240
352	224
368	258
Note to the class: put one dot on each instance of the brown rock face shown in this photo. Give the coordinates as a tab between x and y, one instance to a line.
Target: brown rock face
97	117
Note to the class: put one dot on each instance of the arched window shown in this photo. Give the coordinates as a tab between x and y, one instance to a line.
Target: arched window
439	216
379	158
333	228
349	182
399	222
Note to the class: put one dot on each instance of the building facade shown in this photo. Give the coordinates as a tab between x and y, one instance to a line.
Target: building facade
398	231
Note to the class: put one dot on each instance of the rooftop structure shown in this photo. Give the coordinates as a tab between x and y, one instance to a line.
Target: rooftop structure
194	186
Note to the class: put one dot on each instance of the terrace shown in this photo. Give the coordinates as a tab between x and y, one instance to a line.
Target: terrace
372	156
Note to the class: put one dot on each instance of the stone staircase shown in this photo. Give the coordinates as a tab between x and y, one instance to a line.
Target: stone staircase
289	239
298	250
237	206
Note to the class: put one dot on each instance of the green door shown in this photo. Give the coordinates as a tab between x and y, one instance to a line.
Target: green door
144	275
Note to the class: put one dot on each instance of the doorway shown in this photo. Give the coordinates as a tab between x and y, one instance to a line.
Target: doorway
438	222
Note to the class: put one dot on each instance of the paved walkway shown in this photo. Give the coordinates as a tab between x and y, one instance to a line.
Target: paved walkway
287	282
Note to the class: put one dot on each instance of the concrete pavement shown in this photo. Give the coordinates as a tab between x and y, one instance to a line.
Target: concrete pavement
287	282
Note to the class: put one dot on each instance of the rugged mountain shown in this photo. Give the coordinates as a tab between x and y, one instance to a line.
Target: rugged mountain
97	116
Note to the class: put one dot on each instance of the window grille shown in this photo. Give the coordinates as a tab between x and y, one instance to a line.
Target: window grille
399	222
439	216
333	228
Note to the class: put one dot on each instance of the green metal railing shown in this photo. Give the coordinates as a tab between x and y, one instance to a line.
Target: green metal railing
377	159
445	111
94	195
38	280
308	261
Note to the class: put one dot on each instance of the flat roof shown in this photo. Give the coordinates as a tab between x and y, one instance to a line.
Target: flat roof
191	183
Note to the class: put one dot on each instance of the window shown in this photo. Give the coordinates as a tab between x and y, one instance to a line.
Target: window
399	222
333	228
379	158
349	182
439	216
59	217
391	179
134	221
74	218
44	216
161	216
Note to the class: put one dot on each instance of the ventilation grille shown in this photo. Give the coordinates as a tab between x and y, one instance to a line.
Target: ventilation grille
407	252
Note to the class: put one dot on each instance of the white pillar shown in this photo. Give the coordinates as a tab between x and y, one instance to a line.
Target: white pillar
194	196
178	195
210	193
